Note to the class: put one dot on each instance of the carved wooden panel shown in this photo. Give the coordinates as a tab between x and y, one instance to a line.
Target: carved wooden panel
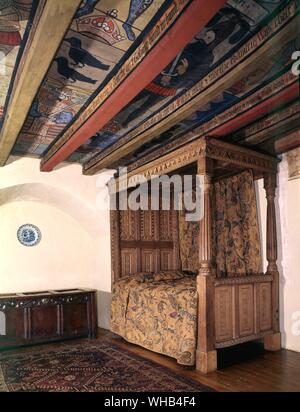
149	260
149	224
129	224
224	313
166	225
75	319
15	323
265	306
115	244
166	259
44	321
246	310
129	258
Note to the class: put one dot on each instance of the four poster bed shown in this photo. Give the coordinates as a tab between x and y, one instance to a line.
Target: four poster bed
186	289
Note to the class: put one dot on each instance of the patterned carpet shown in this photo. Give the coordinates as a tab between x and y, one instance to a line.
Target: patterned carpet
87	366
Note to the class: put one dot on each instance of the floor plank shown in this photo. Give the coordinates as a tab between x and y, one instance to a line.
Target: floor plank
245	368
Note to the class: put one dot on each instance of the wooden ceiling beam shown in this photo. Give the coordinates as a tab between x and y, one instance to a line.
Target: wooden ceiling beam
196	15
275	102
50	24
288	142
279	31
256	132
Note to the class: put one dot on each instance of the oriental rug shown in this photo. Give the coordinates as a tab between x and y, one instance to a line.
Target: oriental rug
87	366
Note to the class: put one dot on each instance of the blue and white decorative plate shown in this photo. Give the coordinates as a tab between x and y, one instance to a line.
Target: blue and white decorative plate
29	235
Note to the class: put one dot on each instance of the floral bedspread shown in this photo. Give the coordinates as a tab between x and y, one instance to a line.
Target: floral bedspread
159	312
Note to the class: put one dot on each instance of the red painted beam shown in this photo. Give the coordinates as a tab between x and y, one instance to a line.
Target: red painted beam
285	96
193	20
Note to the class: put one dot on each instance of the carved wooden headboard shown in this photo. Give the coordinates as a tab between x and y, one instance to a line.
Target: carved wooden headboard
144	241
148	240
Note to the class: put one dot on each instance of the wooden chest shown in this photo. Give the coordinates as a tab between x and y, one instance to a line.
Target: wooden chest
38	317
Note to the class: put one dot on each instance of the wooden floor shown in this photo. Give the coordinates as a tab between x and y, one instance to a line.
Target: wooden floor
246	368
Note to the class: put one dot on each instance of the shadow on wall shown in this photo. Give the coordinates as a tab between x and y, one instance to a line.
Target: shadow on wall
2	324
103	305
59	198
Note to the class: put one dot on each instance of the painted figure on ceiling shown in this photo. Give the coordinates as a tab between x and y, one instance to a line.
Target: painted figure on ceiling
277	62
136	9
82	57
192	63
87	8
69	73
11	13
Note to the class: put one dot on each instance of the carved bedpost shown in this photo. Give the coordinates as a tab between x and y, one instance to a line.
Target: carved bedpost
272	342
115	237
206	355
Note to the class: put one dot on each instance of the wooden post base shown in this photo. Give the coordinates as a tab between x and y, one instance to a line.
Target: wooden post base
206	361
272	342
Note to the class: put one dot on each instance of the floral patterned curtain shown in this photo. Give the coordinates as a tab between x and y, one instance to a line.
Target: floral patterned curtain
189	243
236	237
236	232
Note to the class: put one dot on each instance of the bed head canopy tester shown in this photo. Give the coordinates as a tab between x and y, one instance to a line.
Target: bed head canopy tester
232	308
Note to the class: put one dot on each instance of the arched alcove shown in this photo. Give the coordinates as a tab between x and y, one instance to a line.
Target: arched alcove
73	251
66	201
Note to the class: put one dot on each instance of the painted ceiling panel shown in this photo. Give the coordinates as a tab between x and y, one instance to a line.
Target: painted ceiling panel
15	17
99	36
102	36
230	28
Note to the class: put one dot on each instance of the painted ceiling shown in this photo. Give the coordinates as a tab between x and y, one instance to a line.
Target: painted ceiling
105	33
226	31
96	42
15	19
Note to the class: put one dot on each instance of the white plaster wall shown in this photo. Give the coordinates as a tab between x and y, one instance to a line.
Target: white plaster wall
72	212
288	227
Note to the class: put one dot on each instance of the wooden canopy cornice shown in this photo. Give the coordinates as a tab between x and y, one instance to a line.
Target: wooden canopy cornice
51	21
279	31
176	28
204	147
